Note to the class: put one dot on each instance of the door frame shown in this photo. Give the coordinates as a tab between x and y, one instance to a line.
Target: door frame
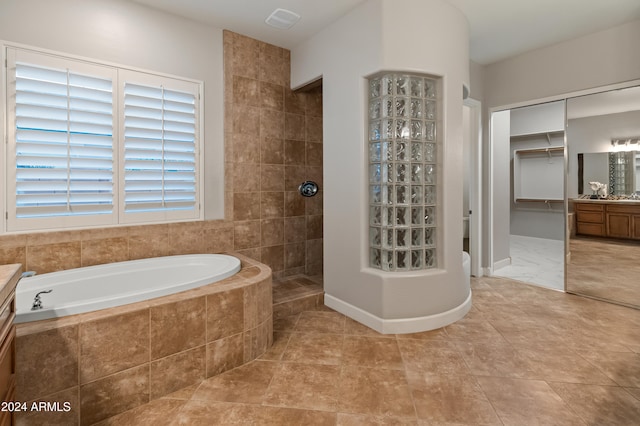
475	184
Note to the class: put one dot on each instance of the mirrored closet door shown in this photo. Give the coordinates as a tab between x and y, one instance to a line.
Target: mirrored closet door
603	196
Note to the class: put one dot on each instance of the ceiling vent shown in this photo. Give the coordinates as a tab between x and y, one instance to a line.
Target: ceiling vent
282	18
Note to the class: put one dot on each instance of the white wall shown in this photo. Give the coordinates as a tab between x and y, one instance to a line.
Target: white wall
126	33
380	35
500	187
598	59
594	134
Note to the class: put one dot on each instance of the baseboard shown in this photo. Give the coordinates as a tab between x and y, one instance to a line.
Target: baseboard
501	263
402	325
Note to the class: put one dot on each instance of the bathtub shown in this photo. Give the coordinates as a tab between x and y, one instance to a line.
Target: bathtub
112	360
88	289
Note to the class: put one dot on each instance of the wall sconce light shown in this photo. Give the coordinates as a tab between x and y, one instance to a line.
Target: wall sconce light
626	144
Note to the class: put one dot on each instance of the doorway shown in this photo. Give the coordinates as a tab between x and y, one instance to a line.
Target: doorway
472	182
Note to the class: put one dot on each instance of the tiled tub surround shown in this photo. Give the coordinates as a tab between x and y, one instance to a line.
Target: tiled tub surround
110	361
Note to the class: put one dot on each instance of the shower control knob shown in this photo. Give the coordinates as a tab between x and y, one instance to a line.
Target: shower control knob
308	188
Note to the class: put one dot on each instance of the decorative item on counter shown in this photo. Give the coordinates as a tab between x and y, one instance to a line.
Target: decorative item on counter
600	190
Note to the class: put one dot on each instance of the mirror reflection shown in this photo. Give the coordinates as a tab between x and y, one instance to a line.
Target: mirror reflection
603	194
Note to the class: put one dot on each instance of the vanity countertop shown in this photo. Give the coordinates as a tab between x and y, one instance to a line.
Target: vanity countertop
9	276
601	201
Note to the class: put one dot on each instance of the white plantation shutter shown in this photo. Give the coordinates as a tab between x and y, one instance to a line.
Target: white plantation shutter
94	145
160	148
62	158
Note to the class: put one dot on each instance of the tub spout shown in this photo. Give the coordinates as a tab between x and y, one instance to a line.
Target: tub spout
37	302
27	274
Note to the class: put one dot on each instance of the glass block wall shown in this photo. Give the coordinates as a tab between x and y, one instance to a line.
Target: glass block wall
402	172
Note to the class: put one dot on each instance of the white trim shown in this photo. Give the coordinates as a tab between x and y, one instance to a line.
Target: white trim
501	263
399	325
475	186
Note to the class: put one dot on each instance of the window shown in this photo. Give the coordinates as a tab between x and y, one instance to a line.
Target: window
96	145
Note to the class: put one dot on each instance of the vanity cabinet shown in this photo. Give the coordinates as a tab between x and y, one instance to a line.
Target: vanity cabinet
9	276
608	219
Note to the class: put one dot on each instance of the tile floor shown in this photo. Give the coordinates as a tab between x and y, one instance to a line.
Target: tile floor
524	355
537	261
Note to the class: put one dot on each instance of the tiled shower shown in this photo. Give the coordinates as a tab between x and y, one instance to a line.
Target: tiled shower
273	143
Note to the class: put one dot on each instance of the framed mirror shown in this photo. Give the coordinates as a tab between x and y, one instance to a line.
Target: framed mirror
603	196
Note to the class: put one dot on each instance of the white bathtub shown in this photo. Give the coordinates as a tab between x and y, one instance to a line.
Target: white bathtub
76	291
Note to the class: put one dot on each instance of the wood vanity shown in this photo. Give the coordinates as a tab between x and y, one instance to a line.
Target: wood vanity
9	276
604	218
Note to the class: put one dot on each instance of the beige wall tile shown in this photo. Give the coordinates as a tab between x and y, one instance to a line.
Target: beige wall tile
13	255
225	314
113	344
294	229
273	257
176	327
97	252
114	394
272	231
294	127
314	154
295	102
246	148
314	129
53	257
294	152
294	255
53	418
47	362
294	204
246	177
272	205
246	234
246	91
246	206
218	240
314	227
271	96
246	120
272	124
225	354
272	178
177	371
272	150
244	54
149	245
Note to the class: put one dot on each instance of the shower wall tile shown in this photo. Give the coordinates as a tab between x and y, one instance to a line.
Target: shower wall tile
272	123
314	129
246	120
294	204
272	178
294	255
218	240
267	49
246	148
273	257
294	176
295	102
246	234
314	227
294	127
272	150
244	54
271	96
246	91
272	205
294	152
295	229
274	70
314	103
314	154
246	206
272	231
246	177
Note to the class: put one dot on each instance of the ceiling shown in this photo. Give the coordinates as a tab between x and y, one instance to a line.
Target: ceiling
498	28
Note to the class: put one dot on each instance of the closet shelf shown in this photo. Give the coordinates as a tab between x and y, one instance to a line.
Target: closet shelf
539	200
548	135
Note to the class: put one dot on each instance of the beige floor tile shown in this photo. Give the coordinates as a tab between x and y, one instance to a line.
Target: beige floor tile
158	412
280	342
320	322
376	352
467	329
496	358
364	420
600	405
304	386
374	391
634	391
527	402
314	349
246	384
286	324
451	399
623	368
354	327
437	334
436	357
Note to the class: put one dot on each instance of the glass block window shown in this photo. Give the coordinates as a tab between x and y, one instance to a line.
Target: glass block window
403	143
